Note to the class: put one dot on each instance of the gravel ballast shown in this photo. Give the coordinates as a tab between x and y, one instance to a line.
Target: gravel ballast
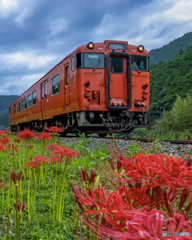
128	145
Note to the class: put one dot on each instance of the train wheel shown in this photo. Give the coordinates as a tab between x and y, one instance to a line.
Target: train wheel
102	135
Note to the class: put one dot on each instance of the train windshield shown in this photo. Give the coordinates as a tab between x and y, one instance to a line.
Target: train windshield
90	60
139	62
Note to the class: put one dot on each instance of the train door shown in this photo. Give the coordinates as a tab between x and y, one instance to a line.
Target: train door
67	86
44	100
119	77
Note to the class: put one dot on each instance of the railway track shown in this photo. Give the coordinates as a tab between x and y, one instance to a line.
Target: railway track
184	142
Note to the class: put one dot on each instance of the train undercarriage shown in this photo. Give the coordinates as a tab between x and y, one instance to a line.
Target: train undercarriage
89	122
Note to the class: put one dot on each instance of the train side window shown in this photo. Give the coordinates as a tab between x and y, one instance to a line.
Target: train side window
55	85
34	97
25	101
45	90
17	107
72	64
79	60
67	75
12	111
29	101
21	105
116	65
42	93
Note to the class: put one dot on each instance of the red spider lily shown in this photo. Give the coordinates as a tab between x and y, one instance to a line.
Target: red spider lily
119	164
11	148
152	181
5	140
139	224
37	161
13	176
65	152
2	147
51	147
33	164
9	210
3	132
54	158
53	129
19	176
26	134
14	148
44	136
17	140
2	184
96	203
19	207
158	169
85	179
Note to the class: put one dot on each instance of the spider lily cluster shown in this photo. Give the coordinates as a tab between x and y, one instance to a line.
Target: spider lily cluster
148	194
126	197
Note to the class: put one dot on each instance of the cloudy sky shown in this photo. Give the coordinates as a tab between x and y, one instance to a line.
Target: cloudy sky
37	34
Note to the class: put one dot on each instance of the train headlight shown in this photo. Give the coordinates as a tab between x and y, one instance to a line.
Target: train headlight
90	45
141	48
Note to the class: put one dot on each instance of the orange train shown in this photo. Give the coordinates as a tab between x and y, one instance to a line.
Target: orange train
98	88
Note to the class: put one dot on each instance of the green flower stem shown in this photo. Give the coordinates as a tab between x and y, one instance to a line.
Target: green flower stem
16	213
23	163
53	192
35	190
19	157
19	227
2	188
46	168
61	191
41	175
20	188
29	214
8	228
56	187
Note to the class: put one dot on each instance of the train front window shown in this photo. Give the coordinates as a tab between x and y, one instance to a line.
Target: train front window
90	60
94	60
139	62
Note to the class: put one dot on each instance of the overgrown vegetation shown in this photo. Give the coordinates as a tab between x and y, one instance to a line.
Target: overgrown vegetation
39	173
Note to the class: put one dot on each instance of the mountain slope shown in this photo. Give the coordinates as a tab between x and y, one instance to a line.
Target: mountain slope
5	101
167	52
169	79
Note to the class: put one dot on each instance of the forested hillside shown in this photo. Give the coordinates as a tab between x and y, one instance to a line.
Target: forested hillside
5	101
167	52
169	79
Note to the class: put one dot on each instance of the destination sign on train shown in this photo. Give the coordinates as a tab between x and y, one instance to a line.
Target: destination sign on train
93	56
119	46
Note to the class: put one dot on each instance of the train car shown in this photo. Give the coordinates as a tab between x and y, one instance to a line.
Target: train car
98	88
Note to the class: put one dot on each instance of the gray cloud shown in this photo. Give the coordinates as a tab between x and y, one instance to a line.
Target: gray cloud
36	35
